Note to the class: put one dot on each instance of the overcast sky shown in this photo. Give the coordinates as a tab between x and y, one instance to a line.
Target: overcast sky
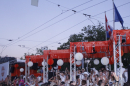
51	22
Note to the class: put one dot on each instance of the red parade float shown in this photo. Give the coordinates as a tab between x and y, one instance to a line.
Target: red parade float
95	49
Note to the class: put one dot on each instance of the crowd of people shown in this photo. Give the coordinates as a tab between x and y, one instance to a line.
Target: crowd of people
102	77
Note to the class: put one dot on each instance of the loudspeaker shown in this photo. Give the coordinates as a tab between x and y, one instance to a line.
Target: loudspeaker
51	74
35	66
12	69
55	62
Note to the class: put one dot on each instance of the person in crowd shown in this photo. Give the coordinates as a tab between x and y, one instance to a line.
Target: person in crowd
67	71
62	76
32	80
111	79
7	80
58	81
62	83
72	83
21	81
90	80
67	81
52	80
83	70
84	83
96	80
16	82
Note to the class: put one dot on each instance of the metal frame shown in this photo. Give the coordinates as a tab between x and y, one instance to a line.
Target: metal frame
45	71
72	70
25	72
116	52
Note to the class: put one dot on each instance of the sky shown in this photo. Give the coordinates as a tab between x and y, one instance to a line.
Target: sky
30	27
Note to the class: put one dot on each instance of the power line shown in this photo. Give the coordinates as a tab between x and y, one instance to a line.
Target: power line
71	15
85	9
61	32
51	25
47	22
69	8
76	25
112	9
93	5
25	40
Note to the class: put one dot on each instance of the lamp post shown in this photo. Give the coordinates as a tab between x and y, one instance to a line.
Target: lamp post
87	62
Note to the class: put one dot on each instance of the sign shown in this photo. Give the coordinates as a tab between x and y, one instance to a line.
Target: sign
4	70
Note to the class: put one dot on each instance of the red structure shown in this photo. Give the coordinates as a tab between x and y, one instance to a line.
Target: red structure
95	49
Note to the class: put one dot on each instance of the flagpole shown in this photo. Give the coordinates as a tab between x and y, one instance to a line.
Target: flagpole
113	16
114	47
105	26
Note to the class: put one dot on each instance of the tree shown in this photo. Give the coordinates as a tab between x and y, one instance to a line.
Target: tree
22	58
94	33
39	51
89	33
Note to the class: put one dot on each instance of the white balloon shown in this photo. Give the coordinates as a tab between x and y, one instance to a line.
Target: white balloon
43	63
30	63
96	61
105	61
21	69
78	56
78	62
60	62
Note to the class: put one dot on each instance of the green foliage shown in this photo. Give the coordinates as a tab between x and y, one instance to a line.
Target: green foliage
22	58
94	33
89	33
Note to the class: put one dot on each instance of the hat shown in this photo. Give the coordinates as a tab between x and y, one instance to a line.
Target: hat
86	73
83	69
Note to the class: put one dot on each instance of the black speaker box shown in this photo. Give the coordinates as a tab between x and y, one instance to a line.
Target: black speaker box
51	74
55	62
12	69
35	66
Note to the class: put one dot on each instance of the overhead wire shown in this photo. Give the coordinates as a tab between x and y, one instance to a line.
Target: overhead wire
52	24
71	8
100	21
62	32
17	40
92	16
97	14
51	20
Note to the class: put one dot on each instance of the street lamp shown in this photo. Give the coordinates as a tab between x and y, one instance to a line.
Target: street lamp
87	62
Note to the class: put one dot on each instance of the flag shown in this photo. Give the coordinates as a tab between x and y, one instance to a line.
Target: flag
108	28
118	17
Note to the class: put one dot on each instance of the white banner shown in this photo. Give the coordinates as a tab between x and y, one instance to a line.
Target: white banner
4	70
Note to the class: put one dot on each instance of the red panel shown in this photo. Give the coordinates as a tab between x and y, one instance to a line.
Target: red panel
127	38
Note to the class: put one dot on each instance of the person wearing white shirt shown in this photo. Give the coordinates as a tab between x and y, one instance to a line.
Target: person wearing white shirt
62	76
